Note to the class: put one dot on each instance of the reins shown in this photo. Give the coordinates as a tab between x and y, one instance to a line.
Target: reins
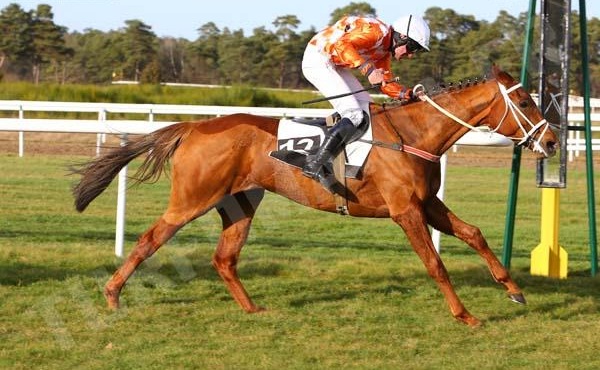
419	90
517	114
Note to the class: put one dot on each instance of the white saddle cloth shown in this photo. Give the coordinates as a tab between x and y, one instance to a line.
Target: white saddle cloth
303	138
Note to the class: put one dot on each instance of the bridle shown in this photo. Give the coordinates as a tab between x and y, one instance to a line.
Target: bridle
528	136
510	106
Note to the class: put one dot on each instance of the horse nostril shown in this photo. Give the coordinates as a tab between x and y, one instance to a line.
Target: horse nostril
551	146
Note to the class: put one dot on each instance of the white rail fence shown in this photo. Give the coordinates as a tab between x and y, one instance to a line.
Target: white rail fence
103	125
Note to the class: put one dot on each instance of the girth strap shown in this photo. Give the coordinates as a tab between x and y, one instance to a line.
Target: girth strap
339	171
404	148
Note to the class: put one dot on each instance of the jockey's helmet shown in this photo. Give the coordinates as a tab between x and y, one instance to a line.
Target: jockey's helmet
415	28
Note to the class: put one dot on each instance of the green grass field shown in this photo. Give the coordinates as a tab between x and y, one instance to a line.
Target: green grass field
341	292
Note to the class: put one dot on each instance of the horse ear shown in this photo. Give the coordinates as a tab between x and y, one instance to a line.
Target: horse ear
502	76
495	70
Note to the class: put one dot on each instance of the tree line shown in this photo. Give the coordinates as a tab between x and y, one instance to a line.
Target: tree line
34	48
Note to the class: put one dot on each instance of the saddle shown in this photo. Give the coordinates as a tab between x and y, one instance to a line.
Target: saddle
300	137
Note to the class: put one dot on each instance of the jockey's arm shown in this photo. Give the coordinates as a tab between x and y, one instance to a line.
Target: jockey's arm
376	71
346	49
392	89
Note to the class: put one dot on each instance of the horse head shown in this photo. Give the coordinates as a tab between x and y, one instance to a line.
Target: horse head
499	105
515	115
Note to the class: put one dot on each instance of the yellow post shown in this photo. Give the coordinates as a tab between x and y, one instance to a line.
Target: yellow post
548	258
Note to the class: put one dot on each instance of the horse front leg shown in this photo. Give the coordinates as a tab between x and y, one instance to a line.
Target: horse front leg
444	220
412	220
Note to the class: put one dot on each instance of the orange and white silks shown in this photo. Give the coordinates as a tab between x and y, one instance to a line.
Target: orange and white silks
351	43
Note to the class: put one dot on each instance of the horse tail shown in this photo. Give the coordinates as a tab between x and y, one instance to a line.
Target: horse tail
97	174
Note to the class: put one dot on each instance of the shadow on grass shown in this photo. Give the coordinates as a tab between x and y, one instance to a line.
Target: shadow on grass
21	274
555	297
336	291
59	234
178	271
325	241
182	270
547	290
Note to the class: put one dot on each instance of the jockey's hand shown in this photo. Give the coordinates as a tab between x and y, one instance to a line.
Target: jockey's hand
416	96
377	77
410	95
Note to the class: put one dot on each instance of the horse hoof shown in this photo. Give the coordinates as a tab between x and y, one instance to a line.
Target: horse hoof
112	304
473	322
517	297
112	300
469	320
255	309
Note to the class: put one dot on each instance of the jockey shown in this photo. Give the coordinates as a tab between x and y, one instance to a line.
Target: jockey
368	45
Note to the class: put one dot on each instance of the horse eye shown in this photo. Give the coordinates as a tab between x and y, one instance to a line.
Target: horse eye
523	104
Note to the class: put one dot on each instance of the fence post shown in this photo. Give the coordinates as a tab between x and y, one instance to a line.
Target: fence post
100	137
121	201
21	134
435	234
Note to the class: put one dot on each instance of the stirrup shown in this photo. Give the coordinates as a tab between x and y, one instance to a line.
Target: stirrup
327	179
311	168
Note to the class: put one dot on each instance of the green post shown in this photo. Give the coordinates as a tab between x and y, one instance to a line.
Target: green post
511	208
588	139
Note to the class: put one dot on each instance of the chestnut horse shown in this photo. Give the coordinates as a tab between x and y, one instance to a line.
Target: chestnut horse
224	163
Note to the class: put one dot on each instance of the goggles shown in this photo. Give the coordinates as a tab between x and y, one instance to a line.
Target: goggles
412	46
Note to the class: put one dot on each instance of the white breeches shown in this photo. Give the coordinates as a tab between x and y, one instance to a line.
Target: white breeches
331	80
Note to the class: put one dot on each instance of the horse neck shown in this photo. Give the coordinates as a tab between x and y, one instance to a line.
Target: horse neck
422	126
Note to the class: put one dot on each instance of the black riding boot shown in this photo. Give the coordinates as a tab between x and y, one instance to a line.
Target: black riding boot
335	139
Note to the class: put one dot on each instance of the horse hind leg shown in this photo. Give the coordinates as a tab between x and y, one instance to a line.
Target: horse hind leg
147	244
444	220
179	212
237	212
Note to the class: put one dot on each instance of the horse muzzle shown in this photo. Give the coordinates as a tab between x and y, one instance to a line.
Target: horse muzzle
541	140
544	148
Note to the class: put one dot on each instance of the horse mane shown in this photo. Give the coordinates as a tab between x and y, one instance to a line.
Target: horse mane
445	87
442	88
